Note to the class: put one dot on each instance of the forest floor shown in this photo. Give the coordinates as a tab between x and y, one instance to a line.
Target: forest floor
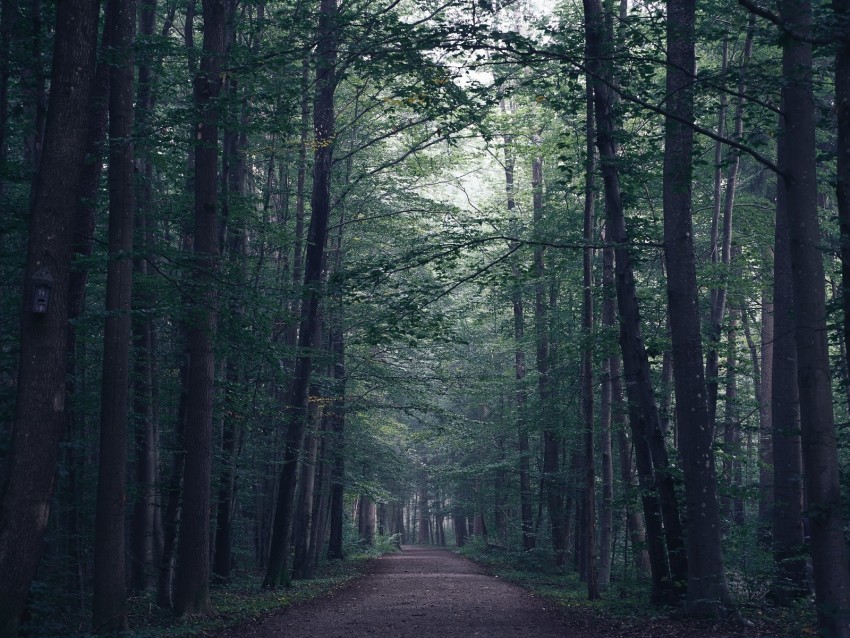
423	592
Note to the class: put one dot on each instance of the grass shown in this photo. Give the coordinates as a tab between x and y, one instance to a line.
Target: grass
625	603
241	601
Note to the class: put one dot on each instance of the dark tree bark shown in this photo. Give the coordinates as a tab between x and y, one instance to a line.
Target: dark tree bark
616	418
424	510
8	18
40	407
606	511
842	182
733	505
145	508
366	522
719	294
337	447
323	124
83	225
787	454
191	586
521	395
587	358
659	498
553	492
707	593
109	606
823	495
301	563
764	396
233	177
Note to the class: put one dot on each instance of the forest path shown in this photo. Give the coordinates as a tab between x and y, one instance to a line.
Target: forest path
421	592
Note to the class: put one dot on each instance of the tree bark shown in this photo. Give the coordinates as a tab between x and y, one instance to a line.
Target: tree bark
587	357
842	181
707	593
109	606
823	495
40	406
142	549
659	498
191	587
323	123
337	447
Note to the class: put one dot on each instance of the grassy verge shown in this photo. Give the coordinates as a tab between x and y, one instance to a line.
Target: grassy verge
624	609
241	601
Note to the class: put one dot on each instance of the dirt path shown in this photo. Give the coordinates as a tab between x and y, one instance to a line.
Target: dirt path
419	593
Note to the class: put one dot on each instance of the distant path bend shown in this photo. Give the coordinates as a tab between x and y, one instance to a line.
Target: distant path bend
421	592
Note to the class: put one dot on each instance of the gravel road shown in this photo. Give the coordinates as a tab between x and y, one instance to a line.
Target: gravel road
421	592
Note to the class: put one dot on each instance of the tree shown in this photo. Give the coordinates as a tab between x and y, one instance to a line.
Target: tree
296	403
109	608
707	594
191	587
38	423
823	493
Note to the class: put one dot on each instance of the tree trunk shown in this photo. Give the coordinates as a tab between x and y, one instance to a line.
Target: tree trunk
587	358
823	495
424	510
842	181
659	498
301	564
616	418
233	177
83	226
323	123
733	505
8	18
765	400
719	294
109	606
40	405
707	593
146	435
191	587
553	493
337	447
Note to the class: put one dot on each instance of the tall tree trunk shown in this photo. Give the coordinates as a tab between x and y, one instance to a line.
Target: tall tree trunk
109	606
424	510
191	587
145	439
323	124
616	417
83	226
587	358
553	493
659	498
521	396
40	405
302	566
8	18
233	176
606	511
820	455
337	445
787	454
707	593
765	399
734	504
842	182
719	294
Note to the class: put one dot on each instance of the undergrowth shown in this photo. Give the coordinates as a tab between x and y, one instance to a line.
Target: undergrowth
625	603
242	600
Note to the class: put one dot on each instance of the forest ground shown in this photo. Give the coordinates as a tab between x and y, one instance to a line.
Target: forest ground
424	591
